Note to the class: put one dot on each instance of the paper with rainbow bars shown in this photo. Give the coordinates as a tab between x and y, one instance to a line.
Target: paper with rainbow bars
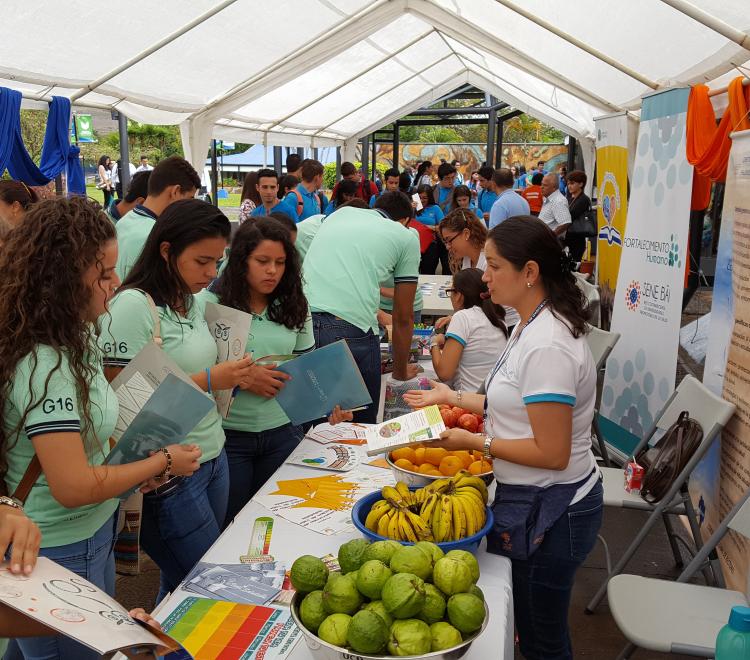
220	630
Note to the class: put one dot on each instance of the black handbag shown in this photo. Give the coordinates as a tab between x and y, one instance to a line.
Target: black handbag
585	224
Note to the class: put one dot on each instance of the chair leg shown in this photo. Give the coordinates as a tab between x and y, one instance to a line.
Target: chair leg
600	439
672	542
708	569
627	652
607	556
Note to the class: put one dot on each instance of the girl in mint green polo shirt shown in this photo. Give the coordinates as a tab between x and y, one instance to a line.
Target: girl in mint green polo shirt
58	409
182	519
262	278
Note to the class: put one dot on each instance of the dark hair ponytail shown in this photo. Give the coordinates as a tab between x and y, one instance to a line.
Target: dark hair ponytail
525	238
468	282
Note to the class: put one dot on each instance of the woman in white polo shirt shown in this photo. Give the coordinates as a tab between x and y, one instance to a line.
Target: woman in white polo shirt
262	278
538	412
183	518
476	335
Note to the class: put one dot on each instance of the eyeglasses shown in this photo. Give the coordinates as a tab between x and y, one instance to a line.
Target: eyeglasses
451	291
448	241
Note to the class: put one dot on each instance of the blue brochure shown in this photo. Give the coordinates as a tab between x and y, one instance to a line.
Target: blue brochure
169	414
322	379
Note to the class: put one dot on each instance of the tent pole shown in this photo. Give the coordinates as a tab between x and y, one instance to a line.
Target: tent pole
366	157
374	156
724	90
396	146
499	148
277	160
338	164
572	146
124	171
214	175
491	128
717	25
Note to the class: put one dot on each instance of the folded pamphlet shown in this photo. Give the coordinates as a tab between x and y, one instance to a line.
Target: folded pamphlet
418	426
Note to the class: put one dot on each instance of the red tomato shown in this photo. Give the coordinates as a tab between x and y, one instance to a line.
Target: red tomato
449	418
458	411
480	428
469	422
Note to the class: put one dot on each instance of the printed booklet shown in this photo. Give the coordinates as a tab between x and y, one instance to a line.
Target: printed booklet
418	426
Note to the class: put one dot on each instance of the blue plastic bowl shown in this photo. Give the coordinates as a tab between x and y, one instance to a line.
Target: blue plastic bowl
363	506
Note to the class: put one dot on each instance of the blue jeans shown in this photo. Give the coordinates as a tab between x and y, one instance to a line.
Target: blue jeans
179	526
93	559
365	347
542	583
253	458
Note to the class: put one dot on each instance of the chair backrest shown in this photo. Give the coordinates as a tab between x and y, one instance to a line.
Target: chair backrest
591	291
703	405
601	344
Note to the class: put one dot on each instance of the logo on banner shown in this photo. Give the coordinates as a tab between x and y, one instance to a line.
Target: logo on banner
633	296
664	253
610	200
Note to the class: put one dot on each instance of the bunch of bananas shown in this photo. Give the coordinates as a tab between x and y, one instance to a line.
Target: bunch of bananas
446	510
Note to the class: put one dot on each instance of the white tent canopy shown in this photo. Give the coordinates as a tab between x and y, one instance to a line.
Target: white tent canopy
326	72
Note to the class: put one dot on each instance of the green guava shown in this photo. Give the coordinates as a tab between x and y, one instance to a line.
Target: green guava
466	612
379	609
474	589
409	637
311	610
334	628
350	554
371	578
308	574
382	550
432	550
451	576
468	559
404	595
410	559
340	595
367	633
434	605
444	636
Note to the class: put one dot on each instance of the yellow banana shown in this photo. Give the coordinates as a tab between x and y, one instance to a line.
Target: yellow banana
471	514
439	486
473	481
428	505
403	489
458	519
391	495
404	524
444	519
420	496
382	527
473	493
435	521
393	529
420	527
375	514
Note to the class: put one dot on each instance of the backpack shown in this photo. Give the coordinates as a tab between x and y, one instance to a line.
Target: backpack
301	201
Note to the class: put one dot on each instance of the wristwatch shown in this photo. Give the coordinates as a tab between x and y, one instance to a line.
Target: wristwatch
11	502
487	445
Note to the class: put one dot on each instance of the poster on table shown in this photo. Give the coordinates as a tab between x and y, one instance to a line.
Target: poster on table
724	474
640	374
612	190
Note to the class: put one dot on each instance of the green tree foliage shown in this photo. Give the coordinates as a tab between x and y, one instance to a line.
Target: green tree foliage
329	173
33	125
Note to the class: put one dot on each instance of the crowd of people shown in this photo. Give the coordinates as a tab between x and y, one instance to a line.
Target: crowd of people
83	292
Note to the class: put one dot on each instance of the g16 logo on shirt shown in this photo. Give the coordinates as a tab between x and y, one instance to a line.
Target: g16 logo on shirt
113	347
61	404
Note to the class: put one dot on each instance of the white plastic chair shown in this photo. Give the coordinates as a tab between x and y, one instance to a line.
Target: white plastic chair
601	344
676	617
712	413
591	291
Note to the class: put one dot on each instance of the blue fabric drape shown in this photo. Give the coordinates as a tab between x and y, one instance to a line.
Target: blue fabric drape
57	152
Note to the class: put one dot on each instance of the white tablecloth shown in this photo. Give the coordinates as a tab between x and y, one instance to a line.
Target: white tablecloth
433	304
288	541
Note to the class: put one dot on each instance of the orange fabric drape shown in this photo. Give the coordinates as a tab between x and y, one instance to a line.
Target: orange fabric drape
708	145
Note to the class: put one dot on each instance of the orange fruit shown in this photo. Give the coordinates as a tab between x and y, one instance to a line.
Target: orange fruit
419	455
404	453
405	465
450	465
480	467
434	455
434	473
464	455
426	468
477	455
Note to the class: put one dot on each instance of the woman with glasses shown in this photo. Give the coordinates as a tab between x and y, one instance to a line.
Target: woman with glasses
476	335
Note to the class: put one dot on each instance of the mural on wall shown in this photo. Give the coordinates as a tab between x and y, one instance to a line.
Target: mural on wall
472	156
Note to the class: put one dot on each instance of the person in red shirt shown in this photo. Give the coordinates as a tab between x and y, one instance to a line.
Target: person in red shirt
349	171
533	193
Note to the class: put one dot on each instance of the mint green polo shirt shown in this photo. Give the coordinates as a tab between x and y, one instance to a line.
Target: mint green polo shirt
251	412
386	304
306	232
354	251
48	389
129	327
132	231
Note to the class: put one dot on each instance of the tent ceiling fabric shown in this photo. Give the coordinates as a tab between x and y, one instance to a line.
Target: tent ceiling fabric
324	72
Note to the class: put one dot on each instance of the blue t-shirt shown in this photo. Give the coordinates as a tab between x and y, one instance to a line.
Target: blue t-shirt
431	215
507	205
520	183
313	203
282	207
330	208
485	200
443	198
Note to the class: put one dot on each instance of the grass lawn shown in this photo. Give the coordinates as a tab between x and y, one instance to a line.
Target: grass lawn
91	190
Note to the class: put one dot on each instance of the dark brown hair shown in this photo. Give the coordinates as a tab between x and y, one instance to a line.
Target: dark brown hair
577	176
310	169
249	191
42	295
525	238
468	282
459	219
17	191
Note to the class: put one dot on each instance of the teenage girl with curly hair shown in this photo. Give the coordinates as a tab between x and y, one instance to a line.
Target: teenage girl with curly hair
58	409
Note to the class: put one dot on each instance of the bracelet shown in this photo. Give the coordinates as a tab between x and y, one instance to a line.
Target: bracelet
11	502
167	470
459	396
208	378
487	446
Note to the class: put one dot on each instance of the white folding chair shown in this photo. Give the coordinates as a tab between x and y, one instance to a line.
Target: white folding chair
591	291
601	344
676	617
712	413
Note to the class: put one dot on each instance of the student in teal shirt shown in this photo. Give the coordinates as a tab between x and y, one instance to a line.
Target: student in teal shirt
58	408
262	278
391	178
184	517
268	187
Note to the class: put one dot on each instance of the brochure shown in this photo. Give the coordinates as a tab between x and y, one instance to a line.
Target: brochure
74	607
230	328
257	583
340	458
418	426
325	432
322	379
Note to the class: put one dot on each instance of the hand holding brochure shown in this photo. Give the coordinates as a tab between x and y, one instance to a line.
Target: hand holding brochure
418	426
67	603
230	328
321	380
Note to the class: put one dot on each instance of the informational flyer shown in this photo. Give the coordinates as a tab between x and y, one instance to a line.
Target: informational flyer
340	458
418	426
325	433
